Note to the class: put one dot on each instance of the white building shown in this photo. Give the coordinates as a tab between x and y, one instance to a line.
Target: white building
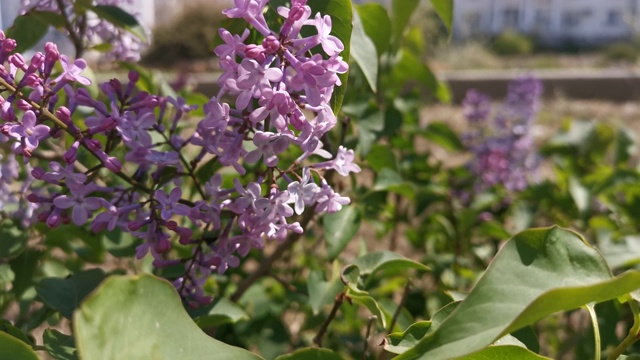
552	21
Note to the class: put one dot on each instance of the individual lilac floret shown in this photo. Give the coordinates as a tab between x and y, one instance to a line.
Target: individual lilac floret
78	200
169	203
28	133
343	163
303	192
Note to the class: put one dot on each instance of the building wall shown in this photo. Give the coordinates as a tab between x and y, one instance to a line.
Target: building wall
586	21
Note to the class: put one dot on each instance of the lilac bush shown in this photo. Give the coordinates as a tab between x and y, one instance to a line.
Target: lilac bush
132	162
87	31
503	148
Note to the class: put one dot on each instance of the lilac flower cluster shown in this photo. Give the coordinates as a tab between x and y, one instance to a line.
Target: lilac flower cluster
124	45
503	147
133	164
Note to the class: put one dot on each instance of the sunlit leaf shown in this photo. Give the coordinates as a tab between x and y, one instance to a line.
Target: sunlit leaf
536	273
142	317
364	54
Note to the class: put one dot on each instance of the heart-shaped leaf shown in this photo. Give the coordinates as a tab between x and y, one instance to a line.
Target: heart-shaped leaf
536	273
340	228
142	317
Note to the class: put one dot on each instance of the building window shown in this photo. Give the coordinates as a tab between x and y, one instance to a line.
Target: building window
542	18
571	19
510	17
614	18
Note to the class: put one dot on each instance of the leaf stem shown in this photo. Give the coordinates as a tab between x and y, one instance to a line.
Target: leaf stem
596	331
633	332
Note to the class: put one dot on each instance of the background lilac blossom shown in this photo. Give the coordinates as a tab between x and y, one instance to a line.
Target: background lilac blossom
93	30
127	164
503	147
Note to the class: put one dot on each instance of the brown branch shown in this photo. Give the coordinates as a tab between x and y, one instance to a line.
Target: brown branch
340	298
405	295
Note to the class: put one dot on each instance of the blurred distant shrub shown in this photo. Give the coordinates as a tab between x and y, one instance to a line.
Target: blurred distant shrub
186	38
512	43
622	51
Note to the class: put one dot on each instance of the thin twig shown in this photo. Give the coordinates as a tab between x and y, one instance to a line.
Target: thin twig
405	295
372	320
340	298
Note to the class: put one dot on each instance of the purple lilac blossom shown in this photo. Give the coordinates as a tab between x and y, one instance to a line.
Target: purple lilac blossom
281	95
503	147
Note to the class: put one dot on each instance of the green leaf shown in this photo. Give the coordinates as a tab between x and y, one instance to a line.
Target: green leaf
536	273
363	298
18	349
400	342
580	194
409	69
122	19
49	17
441	134
376	24
221	311
27	30
322	292
625	146
12	241
142	317
364	54
24	267
59	345
340	228
386	261
311	354
380	157
402	11
7	327
65	295
444	9
504	352
341	12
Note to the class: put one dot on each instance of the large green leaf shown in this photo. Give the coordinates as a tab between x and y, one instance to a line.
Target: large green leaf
311	354
408	68
142	317
12	241
536	273
504	352
27	30
17	349
376	24
322	292
65	295
121	19
340	228
364	54
341	13
444	9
